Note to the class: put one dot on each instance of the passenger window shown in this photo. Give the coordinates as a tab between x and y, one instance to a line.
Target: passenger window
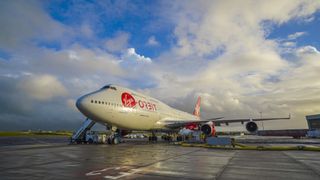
95	102
99	102
91	101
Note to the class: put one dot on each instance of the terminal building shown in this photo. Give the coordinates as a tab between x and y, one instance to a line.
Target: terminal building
314	125
313	122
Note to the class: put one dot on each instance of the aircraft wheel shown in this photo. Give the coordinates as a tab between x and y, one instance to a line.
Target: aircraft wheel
154	138
109	141
116	140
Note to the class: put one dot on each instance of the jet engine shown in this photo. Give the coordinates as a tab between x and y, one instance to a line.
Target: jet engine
251	126
208	129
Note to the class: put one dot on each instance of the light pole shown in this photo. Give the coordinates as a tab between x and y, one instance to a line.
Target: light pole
261	121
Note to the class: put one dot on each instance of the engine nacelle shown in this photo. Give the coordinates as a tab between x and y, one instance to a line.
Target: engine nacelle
252	127
208	129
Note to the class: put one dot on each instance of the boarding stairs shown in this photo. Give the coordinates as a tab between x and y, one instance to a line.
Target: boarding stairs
79	136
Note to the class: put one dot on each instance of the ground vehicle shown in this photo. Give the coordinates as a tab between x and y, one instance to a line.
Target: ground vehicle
95	137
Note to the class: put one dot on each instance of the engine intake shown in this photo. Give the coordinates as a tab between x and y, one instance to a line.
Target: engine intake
208	129
251	127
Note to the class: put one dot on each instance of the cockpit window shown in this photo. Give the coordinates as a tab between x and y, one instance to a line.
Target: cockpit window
109	87
106	87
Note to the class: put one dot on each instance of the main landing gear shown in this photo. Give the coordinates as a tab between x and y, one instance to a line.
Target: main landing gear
153	137
115	137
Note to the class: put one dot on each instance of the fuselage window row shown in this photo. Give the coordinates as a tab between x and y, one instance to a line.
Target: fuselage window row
106	103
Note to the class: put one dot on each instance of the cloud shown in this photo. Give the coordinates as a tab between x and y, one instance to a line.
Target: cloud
296	35
118	43
289	44
307	50
23	22
71	104
22	109
73	61
234	23
86	30
152	41
131	56
43	87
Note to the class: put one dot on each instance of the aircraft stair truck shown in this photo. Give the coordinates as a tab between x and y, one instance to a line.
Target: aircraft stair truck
96	137
80	135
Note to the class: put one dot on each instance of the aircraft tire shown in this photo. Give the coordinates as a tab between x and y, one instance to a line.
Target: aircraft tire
109	141
115	140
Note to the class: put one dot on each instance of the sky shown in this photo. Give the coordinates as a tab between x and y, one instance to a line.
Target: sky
241	57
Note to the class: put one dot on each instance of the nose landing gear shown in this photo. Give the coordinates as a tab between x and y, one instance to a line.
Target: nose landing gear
115	137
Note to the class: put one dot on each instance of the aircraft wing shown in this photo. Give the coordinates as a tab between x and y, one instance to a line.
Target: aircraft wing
227	121
180	123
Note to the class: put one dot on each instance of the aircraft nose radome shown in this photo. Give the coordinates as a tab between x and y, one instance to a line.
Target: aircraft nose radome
81	104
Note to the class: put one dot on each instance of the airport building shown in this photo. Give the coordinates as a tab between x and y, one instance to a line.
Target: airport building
313	130
314	125
313	122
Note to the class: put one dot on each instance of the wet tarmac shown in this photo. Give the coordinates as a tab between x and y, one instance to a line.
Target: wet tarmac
29	140
143	160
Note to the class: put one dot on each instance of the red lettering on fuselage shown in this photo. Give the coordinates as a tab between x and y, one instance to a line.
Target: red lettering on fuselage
129	101
147	105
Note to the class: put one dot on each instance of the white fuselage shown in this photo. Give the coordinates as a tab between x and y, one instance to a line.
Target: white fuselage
127	109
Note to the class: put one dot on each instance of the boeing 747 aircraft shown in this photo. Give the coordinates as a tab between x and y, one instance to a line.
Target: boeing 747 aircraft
125	109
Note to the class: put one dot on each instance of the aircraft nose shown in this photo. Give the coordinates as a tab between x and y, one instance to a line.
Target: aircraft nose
81	103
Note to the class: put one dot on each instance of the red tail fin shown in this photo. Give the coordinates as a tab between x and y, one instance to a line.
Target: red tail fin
196	111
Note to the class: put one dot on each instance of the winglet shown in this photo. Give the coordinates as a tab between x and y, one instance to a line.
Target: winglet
196	111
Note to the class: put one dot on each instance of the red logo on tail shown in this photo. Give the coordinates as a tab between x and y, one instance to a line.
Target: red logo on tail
128	100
